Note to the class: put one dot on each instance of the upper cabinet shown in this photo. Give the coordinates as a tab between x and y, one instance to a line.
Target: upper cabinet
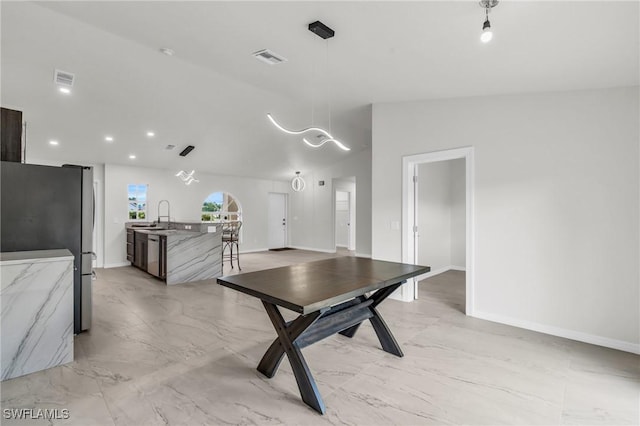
11	135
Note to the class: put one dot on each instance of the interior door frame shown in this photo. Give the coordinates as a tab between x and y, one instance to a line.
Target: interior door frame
286	213
409	291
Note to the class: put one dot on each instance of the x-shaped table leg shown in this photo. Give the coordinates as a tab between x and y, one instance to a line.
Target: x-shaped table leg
286	343
387	340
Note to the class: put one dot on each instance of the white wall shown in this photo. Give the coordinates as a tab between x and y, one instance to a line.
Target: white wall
311	211
556	203
458	214
186	203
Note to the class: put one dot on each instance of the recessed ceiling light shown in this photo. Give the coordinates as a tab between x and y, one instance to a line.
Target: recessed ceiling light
150	134
108	138
64	90
132	157
53	143
167	51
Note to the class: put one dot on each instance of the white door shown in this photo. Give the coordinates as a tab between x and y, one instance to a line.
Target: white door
277	220
343	217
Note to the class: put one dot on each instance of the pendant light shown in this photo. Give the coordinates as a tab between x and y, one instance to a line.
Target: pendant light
487	33
324	32
297	183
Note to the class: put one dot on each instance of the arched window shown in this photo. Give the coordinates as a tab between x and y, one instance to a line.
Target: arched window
221	206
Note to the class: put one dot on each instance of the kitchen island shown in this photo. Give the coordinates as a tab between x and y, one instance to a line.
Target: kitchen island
178	255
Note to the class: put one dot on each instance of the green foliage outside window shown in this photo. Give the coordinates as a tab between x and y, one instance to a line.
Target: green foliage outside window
220	206
137	201
211	206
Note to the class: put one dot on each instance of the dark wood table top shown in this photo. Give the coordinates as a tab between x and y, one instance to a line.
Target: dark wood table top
309	287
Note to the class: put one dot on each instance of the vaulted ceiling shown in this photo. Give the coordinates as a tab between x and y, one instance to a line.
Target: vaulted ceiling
214	95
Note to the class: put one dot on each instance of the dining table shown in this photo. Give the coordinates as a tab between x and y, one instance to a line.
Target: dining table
334	295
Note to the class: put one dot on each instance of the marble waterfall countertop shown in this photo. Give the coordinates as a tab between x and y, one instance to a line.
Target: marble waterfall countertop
36	308
191	255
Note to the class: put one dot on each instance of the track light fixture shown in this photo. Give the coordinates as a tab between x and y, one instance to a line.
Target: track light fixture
487	33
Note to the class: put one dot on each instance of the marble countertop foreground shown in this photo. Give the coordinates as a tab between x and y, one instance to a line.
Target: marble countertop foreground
34	256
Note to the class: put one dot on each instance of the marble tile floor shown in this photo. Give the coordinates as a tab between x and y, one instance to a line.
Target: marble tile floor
186	355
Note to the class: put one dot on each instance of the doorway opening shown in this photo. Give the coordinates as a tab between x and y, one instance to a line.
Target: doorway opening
277	221
437	209
344	214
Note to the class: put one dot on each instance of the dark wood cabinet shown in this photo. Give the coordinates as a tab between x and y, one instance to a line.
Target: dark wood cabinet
140	250
11	135
130	247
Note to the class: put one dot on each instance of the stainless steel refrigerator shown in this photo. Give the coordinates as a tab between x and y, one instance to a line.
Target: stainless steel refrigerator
46	207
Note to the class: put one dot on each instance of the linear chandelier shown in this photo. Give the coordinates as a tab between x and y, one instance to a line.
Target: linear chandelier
187	178
324	32
327	136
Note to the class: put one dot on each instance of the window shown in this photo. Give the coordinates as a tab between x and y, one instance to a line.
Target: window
220	206
137	202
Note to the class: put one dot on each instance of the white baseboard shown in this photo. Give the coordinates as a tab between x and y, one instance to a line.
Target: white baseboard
254	250
438	271
458	268
561	332
313	249
116	265
367	255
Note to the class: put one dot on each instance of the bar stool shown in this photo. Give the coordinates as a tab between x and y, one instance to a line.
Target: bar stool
230	235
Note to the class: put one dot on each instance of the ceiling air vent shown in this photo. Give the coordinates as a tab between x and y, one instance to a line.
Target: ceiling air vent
187	150
269	57
63	78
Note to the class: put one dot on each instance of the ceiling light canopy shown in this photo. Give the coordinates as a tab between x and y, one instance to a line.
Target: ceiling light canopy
487	33
151	134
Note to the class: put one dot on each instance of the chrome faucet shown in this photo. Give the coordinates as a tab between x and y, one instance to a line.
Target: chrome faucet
168	216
